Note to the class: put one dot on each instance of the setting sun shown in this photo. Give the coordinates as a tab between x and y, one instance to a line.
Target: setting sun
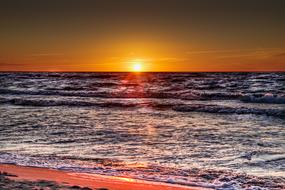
137	65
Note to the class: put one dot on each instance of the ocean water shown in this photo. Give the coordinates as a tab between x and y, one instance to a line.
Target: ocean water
216	130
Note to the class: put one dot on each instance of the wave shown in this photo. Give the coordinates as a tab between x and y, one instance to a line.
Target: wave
198	177
47	103
229	110
81	93
169	93
54	93
159	94
76	75
256	157
180	107
266	98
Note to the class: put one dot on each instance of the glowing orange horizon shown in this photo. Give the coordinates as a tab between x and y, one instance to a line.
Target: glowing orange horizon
150	63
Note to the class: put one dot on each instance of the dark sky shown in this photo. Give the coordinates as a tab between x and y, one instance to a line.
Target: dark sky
166	35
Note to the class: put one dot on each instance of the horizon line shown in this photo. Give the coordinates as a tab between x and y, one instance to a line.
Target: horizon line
265	71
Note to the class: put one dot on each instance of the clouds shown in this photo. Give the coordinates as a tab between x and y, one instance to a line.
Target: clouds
280	55
241	53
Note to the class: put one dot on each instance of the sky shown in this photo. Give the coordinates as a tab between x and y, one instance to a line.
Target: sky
160	35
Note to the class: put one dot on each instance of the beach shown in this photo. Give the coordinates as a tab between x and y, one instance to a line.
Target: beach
19	177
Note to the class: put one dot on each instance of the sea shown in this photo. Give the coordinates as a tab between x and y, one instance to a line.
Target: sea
223	131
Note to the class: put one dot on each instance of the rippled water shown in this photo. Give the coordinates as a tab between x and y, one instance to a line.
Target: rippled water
218	130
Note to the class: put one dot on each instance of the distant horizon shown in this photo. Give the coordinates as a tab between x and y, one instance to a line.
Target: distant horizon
143	72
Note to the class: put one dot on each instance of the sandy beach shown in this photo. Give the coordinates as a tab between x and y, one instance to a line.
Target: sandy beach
19	177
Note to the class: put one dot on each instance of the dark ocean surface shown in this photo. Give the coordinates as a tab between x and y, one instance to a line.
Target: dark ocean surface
217	130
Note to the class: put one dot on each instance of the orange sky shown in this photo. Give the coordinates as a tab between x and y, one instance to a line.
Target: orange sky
164	35
204	60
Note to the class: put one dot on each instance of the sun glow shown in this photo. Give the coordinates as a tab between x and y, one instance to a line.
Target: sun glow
137	65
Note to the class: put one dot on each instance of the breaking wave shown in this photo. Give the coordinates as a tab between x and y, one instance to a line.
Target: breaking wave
75	91
266	98
47	103
195	177
230	110
109	103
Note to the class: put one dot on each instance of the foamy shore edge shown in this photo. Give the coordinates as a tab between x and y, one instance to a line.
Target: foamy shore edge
14	176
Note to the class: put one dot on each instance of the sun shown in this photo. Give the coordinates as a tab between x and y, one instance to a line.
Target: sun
137	65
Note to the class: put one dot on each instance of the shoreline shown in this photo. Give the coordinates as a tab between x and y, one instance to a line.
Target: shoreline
21	176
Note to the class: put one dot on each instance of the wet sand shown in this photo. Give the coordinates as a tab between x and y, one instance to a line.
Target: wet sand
19	177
